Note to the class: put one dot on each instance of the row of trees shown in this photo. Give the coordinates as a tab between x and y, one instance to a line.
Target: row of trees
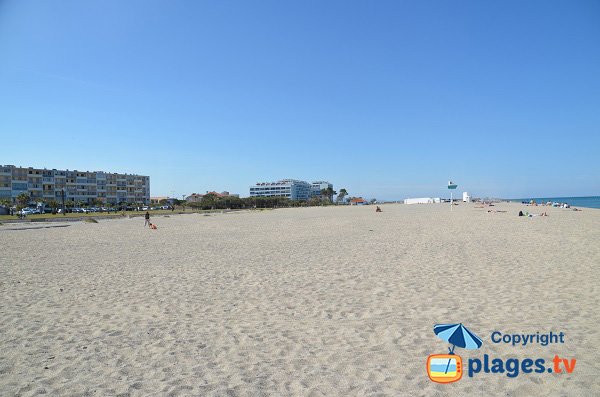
212	201
23	200
329	193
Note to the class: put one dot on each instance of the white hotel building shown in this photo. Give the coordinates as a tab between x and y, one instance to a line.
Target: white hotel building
78	186
290	188
318	186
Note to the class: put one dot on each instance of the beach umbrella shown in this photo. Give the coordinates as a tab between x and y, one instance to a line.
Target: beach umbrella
458	335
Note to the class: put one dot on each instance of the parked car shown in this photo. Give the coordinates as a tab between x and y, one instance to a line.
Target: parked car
26	211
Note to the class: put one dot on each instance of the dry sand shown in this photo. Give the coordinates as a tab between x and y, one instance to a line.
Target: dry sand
299	302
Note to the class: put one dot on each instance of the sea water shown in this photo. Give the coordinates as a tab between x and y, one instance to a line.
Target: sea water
588	202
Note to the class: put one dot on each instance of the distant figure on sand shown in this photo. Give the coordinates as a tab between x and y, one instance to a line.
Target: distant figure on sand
378	209
527	214
147	219
152	226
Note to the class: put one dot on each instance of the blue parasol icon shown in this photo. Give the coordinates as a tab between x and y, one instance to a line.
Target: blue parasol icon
457	335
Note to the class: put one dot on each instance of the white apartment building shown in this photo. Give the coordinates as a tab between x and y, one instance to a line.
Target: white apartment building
318	186
290	188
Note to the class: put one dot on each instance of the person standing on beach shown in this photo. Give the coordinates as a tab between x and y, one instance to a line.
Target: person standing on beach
147	217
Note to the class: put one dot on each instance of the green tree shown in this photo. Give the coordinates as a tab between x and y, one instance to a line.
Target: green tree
96	202
209	201
5	203
340	198
296	203
22	201
230	202
330	193
323	193
195	205
327	195
249	202
314	201
52	203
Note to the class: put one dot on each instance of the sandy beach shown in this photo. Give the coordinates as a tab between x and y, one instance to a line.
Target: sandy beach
324	301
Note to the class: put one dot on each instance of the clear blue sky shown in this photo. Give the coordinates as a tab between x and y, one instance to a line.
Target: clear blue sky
388	99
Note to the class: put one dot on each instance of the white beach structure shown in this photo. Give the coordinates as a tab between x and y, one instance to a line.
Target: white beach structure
422	200
466	197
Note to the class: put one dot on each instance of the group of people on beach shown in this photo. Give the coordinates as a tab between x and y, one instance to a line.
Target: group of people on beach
548	203
551	204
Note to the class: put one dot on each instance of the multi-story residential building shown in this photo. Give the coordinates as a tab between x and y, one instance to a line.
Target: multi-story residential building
290	188
78	186
318	186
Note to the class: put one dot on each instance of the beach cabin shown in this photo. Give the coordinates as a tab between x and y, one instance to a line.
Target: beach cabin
358	201
422	200
466	197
